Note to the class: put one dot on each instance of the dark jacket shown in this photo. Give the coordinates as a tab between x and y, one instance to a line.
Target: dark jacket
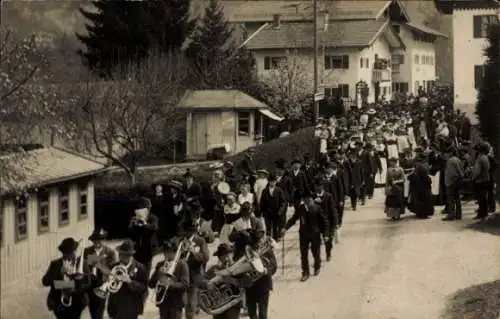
286	185
193	192
371	164
198	260
310	172
109	258
300	186
343	174
145	239
241	239
247	166
356	174
130	298
335	186
328	207
274	205
312	221
79	296
176	294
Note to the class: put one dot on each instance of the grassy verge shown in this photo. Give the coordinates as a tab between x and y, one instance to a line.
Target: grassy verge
475	302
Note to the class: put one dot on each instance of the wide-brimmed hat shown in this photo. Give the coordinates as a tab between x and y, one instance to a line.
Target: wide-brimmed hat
175	184
371	112
170	244
188	173
127	247
68	245
296	160
263	171
272	178
223	249
98	234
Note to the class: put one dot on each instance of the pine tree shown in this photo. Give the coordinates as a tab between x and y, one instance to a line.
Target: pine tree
114	35
123	32
216	59
487	111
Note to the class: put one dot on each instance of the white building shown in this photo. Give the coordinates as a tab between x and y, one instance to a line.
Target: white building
51	200
470	23
370	42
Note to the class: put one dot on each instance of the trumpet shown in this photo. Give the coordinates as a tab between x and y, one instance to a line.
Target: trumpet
76	268
114	282
189	244
166	272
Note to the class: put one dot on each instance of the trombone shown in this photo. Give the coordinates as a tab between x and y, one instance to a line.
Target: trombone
75	269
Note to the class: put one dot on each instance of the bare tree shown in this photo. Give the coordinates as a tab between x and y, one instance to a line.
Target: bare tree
127	120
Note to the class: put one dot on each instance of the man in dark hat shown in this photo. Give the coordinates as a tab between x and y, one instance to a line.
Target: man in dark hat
334	185
356	178
283	180
128	302
197	255
453	178
177	282
343	169
243	227
247	167
143	233
371	166
310	170
327	203
273	206
98	257
175	207
224	261
313	224
191	189
66	269
481	178
258	293
299	182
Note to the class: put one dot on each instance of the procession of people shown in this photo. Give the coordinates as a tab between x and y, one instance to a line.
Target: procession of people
245	209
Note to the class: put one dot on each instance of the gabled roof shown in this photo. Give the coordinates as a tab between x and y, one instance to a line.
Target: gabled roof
360	33
219	99
263	11
447	6
45	166
422	28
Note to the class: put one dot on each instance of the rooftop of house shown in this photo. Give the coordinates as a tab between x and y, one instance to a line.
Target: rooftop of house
44	166
298	35
219	99
447	6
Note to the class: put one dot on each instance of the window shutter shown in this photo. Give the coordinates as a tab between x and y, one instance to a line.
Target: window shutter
345	90
478	76
477	26
267	63
345	62
328	64
361	63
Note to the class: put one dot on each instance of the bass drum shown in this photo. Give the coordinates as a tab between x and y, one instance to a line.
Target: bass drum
220	298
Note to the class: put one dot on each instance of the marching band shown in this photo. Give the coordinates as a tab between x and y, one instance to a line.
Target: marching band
249	224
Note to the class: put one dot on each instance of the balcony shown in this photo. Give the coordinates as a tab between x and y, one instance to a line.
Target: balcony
381	71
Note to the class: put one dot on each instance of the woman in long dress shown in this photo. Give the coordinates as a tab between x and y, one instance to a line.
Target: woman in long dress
391	143
394	191
420	198
231	213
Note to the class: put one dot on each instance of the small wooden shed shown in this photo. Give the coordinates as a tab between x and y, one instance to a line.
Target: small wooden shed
222	118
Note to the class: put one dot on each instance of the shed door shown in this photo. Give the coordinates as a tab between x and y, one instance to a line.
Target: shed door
200	134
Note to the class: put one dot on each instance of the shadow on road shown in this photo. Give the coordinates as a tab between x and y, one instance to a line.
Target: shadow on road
491	225
475	302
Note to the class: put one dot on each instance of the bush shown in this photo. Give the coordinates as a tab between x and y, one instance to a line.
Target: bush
289	147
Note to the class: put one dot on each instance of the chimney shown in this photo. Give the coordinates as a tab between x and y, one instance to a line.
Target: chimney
276	21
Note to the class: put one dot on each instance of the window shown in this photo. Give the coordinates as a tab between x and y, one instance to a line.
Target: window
83	201
398	59
367	62
417	59
274	62
427	38
336	62
244	123
400	87
63	206
478	76
361	62
21	218
384	90
417	86
481	23
432	60
43	211
341	91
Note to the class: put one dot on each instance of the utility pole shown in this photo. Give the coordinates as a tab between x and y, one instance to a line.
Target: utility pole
315	41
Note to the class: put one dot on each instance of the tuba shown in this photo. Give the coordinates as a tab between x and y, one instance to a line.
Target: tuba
246	270
114	282
75	269
167	271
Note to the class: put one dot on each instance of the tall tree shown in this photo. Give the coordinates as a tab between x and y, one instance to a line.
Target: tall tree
217	60
123	32
487	111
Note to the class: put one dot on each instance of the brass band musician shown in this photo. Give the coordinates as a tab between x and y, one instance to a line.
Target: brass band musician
143	229
98	256
128	301
170	280
68	279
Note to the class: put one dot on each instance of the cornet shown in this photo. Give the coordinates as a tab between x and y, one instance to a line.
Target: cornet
166	271
74	269
190	243
114	282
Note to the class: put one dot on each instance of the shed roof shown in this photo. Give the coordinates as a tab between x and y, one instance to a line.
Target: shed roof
217	99
358	33
45	166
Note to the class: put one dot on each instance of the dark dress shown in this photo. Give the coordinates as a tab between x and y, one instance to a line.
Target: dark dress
420	198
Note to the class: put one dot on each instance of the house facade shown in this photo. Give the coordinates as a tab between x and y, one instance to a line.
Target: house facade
372	43
470	24
53	201
227	119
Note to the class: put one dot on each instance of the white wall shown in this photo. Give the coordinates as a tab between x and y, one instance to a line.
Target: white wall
24	263
382	49
467	52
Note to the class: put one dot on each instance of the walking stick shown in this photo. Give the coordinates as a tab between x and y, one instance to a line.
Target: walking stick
283	255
